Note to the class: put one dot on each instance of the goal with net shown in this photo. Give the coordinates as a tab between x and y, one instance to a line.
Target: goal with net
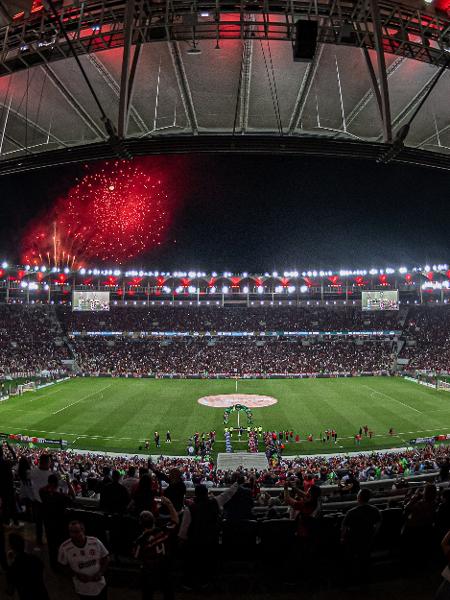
30	386
443	385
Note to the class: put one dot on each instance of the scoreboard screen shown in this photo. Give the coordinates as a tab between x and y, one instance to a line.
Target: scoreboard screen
380	300
90	301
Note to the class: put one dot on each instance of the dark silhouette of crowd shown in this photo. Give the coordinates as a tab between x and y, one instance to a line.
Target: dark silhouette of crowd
161	517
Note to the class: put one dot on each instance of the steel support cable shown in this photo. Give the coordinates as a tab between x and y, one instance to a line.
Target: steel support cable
399	142
280	122
238	95
274	103
106	121
40	101
26	110
8	87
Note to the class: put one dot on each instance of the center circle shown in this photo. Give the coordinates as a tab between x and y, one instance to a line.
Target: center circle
228	400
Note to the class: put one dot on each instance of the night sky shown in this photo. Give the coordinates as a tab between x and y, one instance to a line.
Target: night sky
258	213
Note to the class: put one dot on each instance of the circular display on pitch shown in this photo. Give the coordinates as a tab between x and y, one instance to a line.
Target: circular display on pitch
227	400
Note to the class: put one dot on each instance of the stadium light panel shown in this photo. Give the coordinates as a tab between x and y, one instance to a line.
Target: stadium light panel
260	289
303	289
245	289
225	289
4	265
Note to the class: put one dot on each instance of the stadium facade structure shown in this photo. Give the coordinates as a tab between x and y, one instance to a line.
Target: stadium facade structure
218	75
419	285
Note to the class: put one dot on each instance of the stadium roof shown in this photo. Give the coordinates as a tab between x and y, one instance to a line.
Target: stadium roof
219	76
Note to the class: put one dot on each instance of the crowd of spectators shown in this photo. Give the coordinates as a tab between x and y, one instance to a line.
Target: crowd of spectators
86	471
27	340
212	318
199	356
37	338
167	505
427	339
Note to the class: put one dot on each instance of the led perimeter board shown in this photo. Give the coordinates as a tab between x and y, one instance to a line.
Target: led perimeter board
90	301
380	300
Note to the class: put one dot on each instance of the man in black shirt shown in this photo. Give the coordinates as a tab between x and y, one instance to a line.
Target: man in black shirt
359	527
176	490
114	497
7	499
25	572
349	484
54	504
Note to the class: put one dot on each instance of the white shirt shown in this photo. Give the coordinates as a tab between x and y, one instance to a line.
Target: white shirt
86	561
39	479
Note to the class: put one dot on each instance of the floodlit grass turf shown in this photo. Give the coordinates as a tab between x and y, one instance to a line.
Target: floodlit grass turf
119	414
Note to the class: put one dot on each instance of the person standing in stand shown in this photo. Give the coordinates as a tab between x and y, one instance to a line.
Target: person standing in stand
54	503
154	549
86	559
25	571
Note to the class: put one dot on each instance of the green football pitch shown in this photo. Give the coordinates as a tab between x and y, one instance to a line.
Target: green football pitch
120	414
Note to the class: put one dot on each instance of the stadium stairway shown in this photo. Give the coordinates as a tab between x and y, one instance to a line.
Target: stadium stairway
402	314
61	336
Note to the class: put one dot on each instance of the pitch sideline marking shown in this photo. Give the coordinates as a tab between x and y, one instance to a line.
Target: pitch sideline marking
83	398
391	398
113	437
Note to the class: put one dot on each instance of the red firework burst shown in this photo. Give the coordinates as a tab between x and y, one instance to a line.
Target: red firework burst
113	214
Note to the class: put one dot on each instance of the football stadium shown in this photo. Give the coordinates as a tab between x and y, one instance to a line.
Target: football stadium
224	299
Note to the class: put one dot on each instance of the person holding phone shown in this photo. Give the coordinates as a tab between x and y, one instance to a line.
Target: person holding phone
153	548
